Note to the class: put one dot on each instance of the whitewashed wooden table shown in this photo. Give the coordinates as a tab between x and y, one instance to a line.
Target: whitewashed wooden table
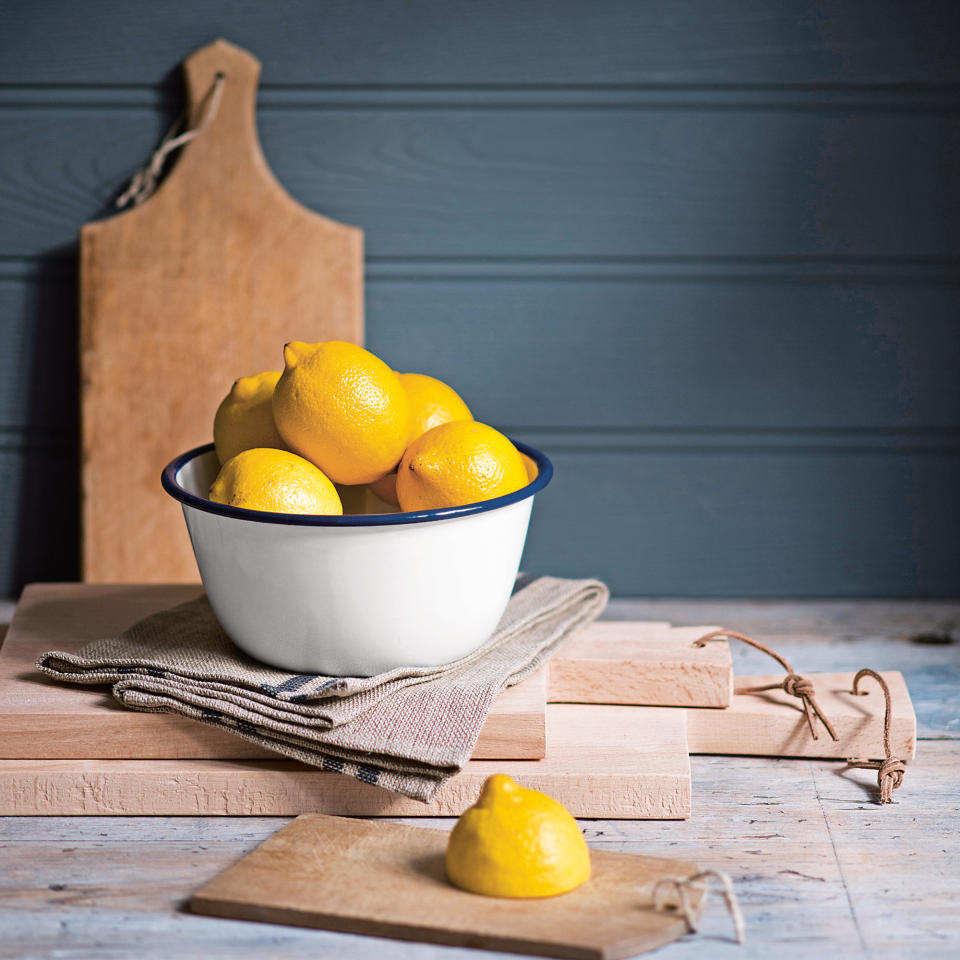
820	869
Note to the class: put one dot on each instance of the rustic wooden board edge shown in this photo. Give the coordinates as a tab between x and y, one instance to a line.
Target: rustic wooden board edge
642	664
772	724
599	764
47	720
251	890
515	729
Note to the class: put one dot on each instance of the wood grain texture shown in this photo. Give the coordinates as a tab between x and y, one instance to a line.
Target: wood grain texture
43	719
641	663
823	350
773	724
722	172
675	519
818	866
538	42
602	761
830	636
201	284
766	176
800	838
389	880
840	505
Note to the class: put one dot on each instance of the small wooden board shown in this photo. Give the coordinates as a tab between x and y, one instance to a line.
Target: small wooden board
602	761
43	719
642	663
389	880
773	724
202	284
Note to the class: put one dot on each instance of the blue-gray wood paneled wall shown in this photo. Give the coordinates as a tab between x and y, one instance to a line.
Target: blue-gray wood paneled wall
704	254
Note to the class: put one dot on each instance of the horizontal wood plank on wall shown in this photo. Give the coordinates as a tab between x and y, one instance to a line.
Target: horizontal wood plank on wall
683	521
496	41
679	354
758	523
568	181
626	352
39	512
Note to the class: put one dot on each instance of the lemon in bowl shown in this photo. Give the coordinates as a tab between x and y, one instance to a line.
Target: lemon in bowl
300	585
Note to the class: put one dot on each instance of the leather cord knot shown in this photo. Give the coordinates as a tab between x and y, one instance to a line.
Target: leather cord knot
794	684
681	888
890	771
798	686
889	777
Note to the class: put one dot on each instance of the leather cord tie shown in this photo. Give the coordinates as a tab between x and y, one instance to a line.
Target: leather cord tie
681	888
793	684
890	771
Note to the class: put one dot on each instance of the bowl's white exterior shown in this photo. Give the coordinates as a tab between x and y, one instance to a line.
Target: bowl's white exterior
355	600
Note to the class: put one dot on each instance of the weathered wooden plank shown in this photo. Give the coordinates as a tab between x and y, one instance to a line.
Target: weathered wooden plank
812	857
38	508
615	42
603	761
389	879
555	181
641	663
841	511
833	635
772	723
822	354
632	663
749	521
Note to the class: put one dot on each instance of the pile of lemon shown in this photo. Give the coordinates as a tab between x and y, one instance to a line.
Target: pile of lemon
338	427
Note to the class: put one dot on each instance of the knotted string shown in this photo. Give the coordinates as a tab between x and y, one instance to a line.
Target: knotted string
681	886
890	771
794	684
144	182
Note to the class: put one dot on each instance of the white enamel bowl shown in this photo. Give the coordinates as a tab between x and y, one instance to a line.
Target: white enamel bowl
354	595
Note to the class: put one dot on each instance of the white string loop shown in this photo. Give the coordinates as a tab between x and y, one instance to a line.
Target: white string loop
681	885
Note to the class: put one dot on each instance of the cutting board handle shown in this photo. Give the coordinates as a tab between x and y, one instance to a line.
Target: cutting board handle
229	142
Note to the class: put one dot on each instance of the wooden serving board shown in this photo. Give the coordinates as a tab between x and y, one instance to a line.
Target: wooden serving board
613	762
202	284
773	724
642	663
388	880
42	719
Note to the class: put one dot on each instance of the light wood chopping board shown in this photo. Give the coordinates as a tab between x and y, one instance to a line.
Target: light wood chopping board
201	284
388	880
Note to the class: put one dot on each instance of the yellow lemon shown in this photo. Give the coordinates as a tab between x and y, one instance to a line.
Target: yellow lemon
458	463
432	402
277	481
343	409
530	466
386	489
244	418
361	500
515	842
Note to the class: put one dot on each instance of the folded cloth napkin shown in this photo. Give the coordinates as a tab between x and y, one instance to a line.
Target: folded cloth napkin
407	730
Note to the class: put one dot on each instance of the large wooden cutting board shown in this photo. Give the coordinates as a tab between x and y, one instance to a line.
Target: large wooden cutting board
623	662
611	762
44	720
388	880
201	284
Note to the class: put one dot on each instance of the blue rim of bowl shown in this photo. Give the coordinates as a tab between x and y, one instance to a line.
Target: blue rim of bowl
169	480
